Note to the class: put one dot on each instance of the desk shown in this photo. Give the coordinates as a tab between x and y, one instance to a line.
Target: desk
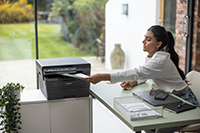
106	92
40	115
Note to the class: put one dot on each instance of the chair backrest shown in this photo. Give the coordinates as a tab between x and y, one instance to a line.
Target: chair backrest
193	78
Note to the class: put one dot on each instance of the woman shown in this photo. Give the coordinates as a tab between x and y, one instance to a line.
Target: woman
161	66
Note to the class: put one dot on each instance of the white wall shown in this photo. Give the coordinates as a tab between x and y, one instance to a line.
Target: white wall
129	30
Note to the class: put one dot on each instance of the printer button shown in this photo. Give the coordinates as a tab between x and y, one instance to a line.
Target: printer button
65	68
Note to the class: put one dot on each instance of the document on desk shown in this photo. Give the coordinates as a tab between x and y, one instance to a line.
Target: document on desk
77	75
140	110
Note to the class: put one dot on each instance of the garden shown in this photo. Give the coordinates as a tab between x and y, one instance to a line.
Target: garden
74	36
18	42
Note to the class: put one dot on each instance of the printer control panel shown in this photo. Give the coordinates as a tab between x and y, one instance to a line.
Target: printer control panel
59	69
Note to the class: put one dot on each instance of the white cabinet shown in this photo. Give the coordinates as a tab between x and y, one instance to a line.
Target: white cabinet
35	118
71	115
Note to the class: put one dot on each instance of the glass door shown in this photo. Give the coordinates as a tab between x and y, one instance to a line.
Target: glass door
168	15
17	46
177	17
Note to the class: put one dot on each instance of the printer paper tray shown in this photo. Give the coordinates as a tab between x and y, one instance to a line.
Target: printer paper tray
67	84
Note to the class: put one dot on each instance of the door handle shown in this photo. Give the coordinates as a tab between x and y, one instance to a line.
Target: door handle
184	34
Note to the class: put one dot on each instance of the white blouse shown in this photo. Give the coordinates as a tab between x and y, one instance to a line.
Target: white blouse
160	69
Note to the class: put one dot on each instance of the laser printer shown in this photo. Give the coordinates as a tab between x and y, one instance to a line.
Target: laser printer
56	86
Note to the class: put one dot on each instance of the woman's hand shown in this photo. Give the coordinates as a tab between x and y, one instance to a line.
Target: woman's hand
128	84
96	78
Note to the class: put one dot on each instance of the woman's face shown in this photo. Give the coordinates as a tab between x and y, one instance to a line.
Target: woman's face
150	43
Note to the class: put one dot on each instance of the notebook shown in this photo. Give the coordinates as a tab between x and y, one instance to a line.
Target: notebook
178	107
150	98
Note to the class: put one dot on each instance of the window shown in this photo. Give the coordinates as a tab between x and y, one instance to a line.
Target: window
69	28
17	46
169	20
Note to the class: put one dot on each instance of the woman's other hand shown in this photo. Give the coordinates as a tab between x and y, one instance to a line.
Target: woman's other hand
96	78
128	84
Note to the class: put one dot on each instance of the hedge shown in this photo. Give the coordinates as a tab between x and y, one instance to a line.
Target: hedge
20	11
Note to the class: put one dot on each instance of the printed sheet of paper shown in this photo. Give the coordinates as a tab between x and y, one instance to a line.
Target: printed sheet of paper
77	75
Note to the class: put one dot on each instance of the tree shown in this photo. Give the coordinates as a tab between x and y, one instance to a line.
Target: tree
83	20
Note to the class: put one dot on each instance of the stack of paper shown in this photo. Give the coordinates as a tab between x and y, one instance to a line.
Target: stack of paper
140	110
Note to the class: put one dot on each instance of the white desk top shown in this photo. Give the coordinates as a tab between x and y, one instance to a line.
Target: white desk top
105	93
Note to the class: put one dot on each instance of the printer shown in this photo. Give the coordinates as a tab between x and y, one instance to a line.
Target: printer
56	86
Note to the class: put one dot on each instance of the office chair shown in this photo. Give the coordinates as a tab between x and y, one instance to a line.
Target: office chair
193	78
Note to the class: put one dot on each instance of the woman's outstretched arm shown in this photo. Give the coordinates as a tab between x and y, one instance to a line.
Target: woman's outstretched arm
96	78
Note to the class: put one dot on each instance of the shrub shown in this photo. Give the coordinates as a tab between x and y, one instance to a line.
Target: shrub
83	21
19	11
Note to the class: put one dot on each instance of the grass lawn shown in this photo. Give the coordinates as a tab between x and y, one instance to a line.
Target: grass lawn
17	42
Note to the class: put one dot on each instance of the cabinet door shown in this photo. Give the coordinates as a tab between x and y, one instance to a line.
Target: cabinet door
71	116
35	118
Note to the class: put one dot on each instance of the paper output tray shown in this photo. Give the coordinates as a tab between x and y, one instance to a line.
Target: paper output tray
134	108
